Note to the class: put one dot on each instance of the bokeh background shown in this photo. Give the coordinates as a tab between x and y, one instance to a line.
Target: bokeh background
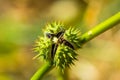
22	21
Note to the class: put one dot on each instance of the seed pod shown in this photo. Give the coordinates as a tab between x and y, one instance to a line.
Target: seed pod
58	45
64	57
43	47
54	28
73	36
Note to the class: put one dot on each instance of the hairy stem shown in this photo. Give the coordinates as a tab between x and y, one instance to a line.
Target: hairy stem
109	23
42	71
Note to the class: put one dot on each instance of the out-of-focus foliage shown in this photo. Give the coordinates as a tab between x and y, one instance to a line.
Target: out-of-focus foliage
22	21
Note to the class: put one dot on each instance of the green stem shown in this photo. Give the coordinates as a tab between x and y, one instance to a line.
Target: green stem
42	71
109	23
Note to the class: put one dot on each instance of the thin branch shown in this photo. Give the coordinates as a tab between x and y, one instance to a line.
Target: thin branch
42	71
109	23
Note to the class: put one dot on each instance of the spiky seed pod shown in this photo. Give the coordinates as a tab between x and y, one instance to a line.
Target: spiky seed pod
43	47
58	45
54	27
73	36
64	56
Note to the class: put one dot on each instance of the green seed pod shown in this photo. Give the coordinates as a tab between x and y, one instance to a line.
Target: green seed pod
58	45
54	27
43	47
73	36
64	56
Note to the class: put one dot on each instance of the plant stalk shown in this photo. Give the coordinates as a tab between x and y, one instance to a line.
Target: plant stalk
100	28
42	71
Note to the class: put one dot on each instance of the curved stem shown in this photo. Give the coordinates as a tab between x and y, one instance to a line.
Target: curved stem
109	23
42	71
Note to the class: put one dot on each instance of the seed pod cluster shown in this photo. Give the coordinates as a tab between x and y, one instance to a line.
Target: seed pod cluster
58	45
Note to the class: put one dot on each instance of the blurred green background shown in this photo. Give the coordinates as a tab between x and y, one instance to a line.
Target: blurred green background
22	21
